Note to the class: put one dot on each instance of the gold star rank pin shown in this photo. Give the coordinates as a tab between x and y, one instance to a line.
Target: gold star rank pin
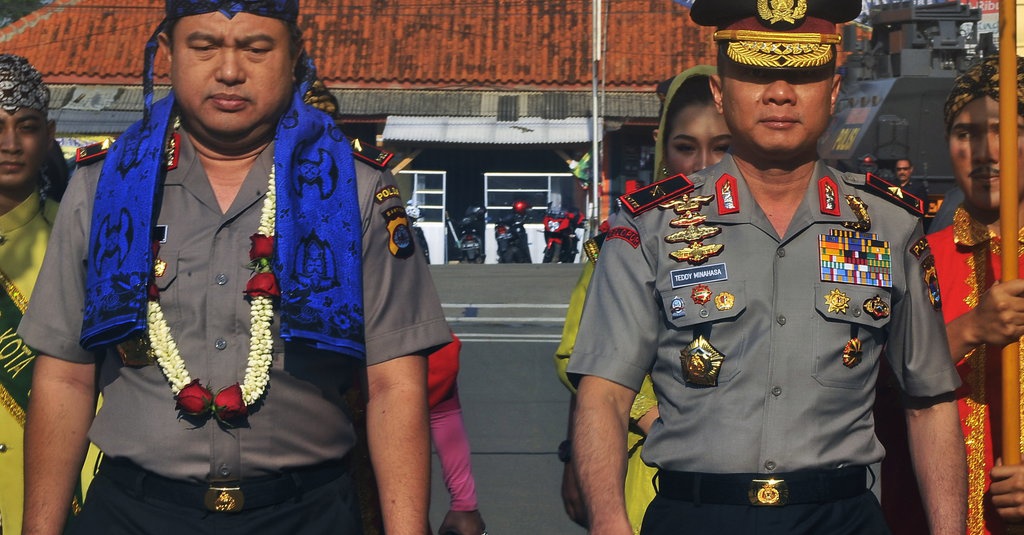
837	301
701	362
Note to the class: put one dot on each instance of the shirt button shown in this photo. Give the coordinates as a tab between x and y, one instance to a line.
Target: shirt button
3	448
220	343
222	279
856	312
224	470
776	390
781	319
769	465
781	252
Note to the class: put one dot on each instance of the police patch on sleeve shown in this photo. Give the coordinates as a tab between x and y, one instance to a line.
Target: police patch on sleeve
931	280
385	193
919	247
625	234
400	241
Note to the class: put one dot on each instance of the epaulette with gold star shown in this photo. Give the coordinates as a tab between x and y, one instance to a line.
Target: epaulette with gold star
375	156
650	196
894	193
92	153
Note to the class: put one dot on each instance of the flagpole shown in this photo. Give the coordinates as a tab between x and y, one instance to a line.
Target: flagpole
595	133
1008	216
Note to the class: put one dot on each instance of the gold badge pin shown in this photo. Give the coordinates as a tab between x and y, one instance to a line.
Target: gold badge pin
701	362
852	353
698	253
725	301
701	294
159	268
876	307
136	352
837	301
863	223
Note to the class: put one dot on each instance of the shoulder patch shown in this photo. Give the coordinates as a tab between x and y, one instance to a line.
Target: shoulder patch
894	193
92	153
374	156
650	196
625	234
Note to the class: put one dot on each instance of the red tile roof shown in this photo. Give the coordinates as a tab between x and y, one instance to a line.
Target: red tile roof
503	44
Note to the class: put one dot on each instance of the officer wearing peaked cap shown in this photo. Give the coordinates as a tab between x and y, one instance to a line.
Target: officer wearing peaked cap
224	274
759	294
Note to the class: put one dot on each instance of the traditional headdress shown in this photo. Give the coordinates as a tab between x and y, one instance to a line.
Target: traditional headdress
981	80
317	202
21	86
776	34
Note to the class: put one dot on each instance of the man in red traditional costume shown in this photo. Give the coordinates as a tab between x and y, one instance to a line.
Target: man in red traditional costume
982	315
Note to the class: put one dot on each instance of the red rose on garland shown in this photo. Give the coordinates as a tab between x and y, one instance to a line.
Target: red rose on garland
228	404
262	285
194	399
262	247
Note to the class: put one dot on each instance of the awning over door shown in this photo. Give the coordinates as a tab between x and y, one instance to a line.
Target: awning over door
487	130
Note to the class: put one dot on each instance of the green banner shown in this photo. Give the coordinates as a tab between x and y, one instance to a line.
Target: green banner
16	358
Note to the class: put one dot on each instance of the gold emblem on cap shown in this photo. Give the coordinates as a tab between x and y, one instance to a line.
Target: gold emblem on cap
837	301
774	11
701	362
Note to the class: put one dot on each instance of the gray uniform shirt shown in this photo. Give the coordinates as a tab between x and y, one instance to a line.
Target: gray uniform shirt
785	401
302	420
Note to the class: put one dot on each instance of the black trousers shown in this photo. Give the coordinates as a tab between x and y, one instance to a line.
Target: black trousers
331	509
860	515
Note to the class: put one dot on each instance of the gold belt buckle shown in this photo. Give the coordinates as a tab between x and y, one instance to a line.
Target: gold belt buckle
224	499
772	492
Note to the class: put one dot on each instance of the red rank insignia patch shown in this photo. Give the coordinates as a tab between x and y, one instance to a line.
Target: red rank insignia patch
728	195
828	196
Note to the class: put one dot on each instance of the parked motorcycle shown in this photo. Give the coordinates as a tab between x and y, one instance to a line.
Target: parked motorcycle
413	212
510	235
471	245
560	235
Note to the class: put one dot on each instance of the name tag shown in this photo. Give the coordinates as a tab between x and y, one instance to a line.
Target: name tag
699	275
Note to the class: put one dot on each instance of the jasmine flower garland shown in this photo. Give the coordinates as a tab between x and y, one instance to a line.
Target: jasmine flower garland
193	398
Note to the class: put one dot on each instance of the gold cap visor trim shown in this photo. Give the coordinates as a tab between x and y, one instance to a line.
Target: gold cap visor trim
779	50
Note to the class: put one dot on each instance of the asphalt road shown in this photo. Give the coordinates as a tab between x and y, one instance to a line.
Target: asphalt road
510	319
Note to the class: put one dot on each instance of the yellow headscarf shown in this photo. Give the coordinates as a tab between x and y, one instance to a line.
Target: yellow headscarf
659	143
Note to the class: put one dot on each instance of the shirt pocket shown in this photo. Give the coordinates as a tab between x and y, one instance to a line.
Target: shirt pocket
851	316
689	318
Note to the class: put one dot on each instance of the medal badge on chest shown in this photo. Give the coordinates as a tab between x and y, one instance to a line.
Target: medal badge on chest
693	230
701	362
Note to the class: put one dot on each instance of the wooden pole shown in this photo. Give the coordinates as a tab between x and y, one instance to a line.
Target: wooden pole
1008	216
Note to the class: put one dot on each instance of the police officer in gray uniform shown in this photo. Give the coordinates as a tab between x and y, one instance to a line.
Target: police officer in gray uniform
223	275
760	294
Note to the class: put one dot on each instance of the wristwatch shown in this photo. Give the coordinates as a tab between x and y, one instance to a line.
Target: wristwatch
565	451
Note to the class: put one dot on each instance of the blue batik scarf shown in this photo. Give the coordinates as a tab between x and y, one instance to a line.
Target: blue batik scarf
318	245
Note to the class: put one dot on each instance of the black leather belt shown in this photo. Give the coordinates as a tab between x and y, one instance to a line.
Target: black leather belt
811	486
222	496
